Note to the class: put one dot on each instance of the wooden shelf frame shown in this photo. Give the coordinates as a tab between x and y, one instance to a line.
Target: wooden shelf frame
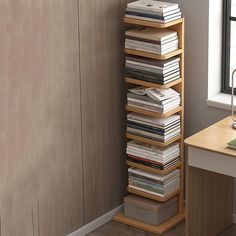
152	85
152	113
153	142
178	85
153	55
153	196
153	170
160	229
152	24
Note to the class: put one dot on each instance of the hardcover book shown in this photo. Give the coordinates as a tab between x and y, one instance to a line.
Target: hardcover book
153	5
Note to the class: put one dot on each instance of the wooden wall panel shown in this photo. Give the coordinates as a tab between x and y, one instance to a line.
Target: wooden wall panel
40	121
102	94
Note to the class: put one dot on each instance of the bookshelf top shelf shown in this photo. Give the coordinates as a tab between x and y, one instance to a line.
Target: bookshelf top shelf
152	23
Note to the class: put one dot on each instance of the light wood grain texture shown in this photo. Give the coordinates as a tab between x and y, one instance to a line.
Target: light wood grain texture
153	170
150	141
117	229
152	85
152	196
102	93
40	134
132	21
161	229
210	198
153	113
215	138
153	55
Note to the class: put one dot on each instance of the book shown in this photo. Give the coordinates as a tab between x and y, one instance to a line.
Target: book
232	144
155	94
153	19
168	71
137	43
151	33
152	13
154	63
153	5
160	43
162	122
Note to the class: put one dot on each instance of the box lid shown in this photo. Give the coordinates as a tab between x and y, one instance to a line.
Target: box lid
147	203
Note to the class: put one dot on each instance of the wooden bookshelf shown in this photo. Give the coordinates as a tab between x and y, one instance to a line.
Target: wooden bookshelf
153	170
150	141
153	196
152	85
152	113
178	85
160	229
153	55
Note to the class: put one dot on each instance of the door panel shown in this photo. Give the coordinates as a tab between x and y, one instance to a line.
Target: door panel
40	123
102	94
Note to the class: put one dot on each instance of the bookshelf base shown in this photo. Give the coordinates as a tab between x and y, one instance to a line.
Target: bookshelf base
160	229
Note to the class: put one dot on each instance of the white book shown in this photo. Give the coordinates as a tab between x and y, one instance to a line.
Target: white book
153	5
155	51
153	176
151	45
153	69
162	160
153	148
152	153
152	13
153	34
162	138
153	108
153	120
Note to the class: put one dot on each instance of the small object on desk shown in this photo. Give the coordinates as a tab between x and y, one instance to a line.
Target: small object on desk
232	144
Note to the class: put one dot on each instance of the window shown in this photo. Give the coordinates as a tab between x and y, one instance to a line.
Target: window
229	44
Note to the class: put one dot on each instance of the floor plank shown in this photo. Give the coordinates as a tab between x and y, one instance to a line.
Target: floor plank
117	229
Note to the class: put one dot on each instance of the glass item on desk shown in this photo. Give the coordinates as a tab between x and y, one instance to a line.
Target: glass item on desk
232	101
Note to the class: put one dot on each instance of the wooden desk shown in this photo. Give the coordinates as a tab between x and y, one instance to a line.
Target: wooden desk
211	166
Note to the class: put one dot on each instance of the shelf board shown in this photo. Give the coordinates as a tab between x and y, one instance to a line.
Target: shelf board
160	229
152	85
153	170
153	196
150	141
153	113
153	24
153	55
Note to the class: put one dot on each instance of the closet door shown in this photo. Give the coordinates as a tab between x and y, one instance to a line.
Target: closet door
40	123
103	116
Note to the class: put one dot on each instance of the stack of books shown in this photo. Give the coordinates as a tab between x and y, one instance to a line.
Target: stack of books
146	39
152	10
151	99
159	72
161	158
158	129
159	185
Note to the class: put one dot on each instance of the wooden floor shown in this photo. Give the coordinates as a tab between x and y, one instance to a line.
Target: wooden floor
117	229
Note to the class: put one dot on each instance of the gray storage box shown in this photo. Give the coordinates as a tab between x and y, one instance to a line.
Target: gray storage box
149	211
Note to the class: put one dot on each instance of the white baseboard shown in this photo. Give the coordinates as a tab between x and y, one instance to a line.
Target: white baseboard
100	221
234	218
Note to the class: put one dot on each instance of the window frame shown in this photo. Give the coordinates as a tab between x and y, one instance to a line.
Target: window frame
225	88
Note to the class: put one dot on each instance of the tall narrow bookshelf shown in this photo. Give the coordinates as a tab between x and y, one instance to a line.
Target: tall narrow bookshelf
178	85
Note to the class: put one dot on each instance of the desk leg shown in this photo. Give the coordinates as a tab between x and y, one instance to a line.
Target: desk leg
210	202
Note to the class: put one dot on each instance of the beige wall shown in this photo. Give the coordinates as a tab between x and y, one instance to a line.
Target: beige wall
62	120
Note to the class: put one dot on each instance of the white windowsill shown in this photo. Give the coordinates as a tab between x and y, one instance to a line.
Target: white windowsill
221	100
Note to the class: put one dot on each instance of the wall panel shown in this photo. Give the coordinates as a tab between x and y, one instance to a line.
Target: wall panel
102	94
40	121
